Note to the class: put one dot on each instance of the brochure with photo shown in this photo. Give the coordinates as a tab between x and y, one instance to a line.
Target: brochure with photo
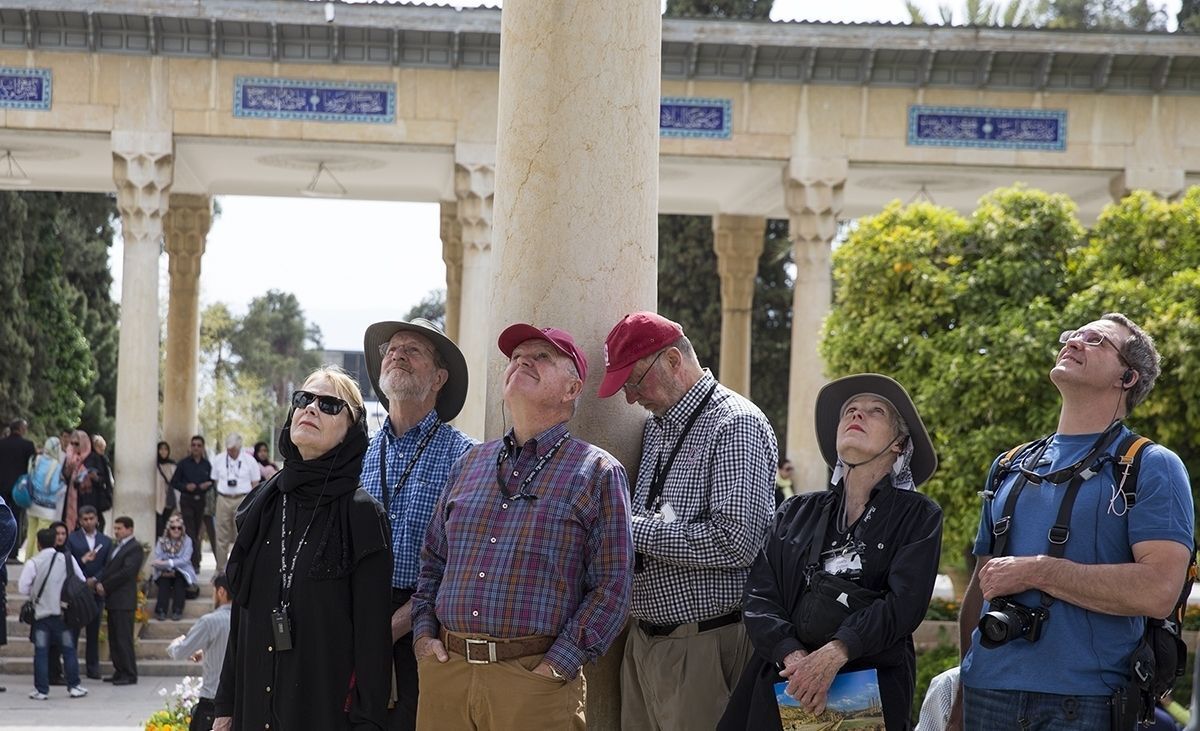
853	703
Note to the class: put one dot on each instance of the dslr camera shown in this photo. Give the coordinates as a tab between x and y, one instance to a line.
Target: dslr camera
1010	620
231	483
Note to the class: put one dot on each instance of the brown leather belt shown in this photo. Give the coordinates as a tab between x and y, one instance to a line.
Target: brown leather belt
481	651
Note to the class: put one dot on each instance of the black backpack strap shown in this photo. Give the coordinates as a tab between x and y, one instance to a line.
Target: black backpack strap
1000	531
818	539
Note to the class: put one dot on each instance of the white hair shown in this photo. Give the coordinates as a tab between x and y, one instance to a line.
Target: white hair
233	440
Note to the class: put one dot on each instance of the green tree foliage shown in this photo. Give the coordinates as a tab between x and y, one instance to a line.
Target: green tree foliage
432	307
1189	16
689	290
275	344
1069	14
966	311
58	316
771	329
741	9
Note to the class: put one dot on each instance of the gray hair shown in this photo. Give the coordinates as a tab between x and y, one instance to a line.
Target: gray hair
233	440
1140	353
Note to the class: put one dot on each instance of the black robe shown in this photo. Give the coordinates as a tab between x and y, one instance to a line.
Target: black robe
338	673
902	547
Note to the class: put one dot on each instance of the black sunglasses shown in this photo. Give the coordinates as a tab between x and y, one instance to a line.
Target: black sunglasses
331	405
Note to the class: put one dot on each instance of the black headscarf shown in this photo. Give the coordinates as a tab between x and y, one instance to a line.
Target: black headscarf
329	481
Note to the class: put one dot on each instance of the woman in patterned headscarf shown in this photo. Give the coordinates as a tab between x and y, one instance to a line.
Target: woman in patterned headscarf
847	573
173	572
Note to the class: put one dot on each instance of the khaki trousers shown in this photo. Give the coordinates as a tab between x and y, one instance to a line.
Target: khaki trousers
227	506
503	695
680	681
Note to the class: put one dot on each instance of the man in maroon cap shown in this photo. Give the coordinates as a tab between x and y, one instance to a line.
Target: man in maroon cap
526	570
701	509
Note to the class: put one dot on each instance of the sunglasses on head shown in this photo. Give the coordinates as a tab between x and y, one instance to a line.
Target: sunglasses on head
331	405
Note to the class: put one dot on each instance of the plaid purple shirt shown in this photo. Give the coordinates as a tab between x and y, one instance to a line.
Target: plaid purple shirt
560	565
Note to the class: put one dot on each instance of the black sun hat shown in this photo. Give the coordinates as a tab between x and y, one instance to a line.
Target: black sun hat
453	394
834	395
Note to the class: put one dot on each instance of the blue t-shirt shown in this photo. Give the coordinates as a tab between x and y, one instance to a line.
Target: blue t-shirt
1080	652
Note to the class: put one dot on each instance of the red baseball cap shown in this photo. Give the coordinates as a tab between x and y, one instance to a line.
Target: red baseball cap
562	341
637	335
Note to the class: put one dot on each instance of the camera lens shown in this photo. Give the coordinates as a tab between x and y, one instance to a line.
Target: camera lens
995	627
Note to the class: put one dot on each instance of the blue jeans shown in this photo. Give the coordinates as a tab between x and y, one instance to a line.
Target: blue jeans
47	632
990	710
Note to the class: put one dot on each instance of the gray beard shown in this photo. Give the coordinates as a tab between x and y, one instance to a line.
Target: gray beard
402	386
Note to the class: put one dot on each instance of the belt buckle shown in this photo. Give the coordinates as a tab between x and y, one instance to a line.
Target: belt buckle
491	646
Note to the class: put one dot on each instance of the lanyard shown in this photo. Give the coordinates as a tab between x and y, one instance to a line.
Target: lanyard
287	571
659	480
384	490
521	494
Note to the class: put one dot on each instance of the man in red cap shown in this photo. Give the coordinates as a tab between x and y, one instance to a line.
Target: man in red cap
527	565
701	509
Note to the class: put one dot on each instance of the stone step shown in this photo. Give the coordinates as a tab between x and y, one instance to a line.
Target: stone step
193	609
206	589
21	647
148	668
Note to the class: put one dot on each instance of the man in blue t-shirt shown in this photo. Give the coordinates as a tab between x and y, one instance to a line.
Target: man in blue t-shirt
1121	562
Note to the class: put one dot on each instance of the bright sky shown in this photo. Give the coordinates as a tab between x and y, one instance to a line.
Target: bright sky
272	243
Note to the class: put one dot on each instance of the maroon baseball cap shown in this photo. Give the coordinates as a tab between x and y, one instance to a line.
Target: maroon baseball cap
634	337
562	341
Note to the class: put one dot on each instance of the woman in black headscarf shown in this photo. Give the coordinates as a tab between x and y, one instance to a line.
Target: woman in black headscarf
846	574
310	574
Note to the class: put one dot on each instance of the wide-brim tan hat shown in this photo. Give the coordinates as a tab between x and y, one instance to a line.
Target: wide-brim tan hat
834	395
453	394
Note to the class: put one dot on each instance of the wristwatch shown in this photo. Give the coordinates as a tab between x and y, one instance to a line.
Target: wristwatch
554	671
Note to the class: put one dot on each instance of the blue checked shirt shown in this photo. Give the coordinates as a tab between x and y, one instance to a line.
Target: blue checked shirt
409	508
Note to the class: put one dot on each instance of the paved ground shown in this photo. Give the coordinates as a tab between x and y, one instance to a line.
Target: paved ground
105	707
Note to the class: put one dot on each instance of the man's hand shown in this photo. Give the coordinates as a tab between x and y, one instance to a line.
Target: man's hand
191	487
224	723
809	678
89	556
402	621
198	656
427	646
1007	575
955	722
99	588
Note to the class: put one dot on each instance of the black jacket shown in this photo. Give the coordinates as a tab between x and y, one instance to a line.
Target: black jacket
901	548
78	546
119	575
15	452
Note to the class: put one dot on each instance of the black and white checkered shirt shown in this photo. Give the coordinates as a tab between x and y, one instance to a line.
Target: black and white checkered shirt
721	490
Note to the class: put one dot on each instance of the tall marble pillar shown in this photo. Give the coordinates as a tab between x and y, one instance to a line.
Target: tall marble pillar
186	228
813	192
143	170
475	184
738	241
575	242
452	256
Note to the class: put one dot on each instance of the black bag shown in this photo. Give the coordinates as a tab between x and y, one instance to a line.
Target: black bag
826	604
28	613
78	602
828	599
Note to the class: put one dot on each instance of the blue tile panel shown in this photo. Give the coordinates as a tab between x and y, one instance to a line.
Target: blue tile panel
317	101
695	117
1004	129
24	88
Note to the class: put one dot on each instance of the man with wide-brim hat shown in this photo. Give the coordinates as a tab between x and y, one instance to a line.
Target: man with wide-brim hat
846	574
420	377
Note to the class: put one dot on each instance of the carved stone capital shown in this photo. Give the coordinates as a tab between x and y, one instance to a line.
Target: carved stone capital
143	170
185	233
475	188
738	242
813	191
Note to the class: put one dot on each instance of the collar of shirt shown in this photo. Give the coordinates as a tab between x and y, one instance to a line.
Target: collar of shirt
412	435
678	414
541	443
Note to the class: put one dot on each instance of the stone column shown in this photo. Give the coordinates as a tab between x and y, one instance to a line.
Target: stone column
813	195
738	241
577	206
452	255
1163	182
474	184
186	228
143	169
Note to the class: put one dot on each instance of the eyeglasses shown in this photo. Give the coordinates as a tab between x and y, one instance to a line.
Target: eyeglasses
1091	338
331	405
174	527
635	386
410	351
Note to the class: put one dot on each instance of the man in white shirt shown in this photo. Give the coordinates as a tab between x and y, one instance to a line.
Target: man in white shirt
235	474
205	643
42	579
